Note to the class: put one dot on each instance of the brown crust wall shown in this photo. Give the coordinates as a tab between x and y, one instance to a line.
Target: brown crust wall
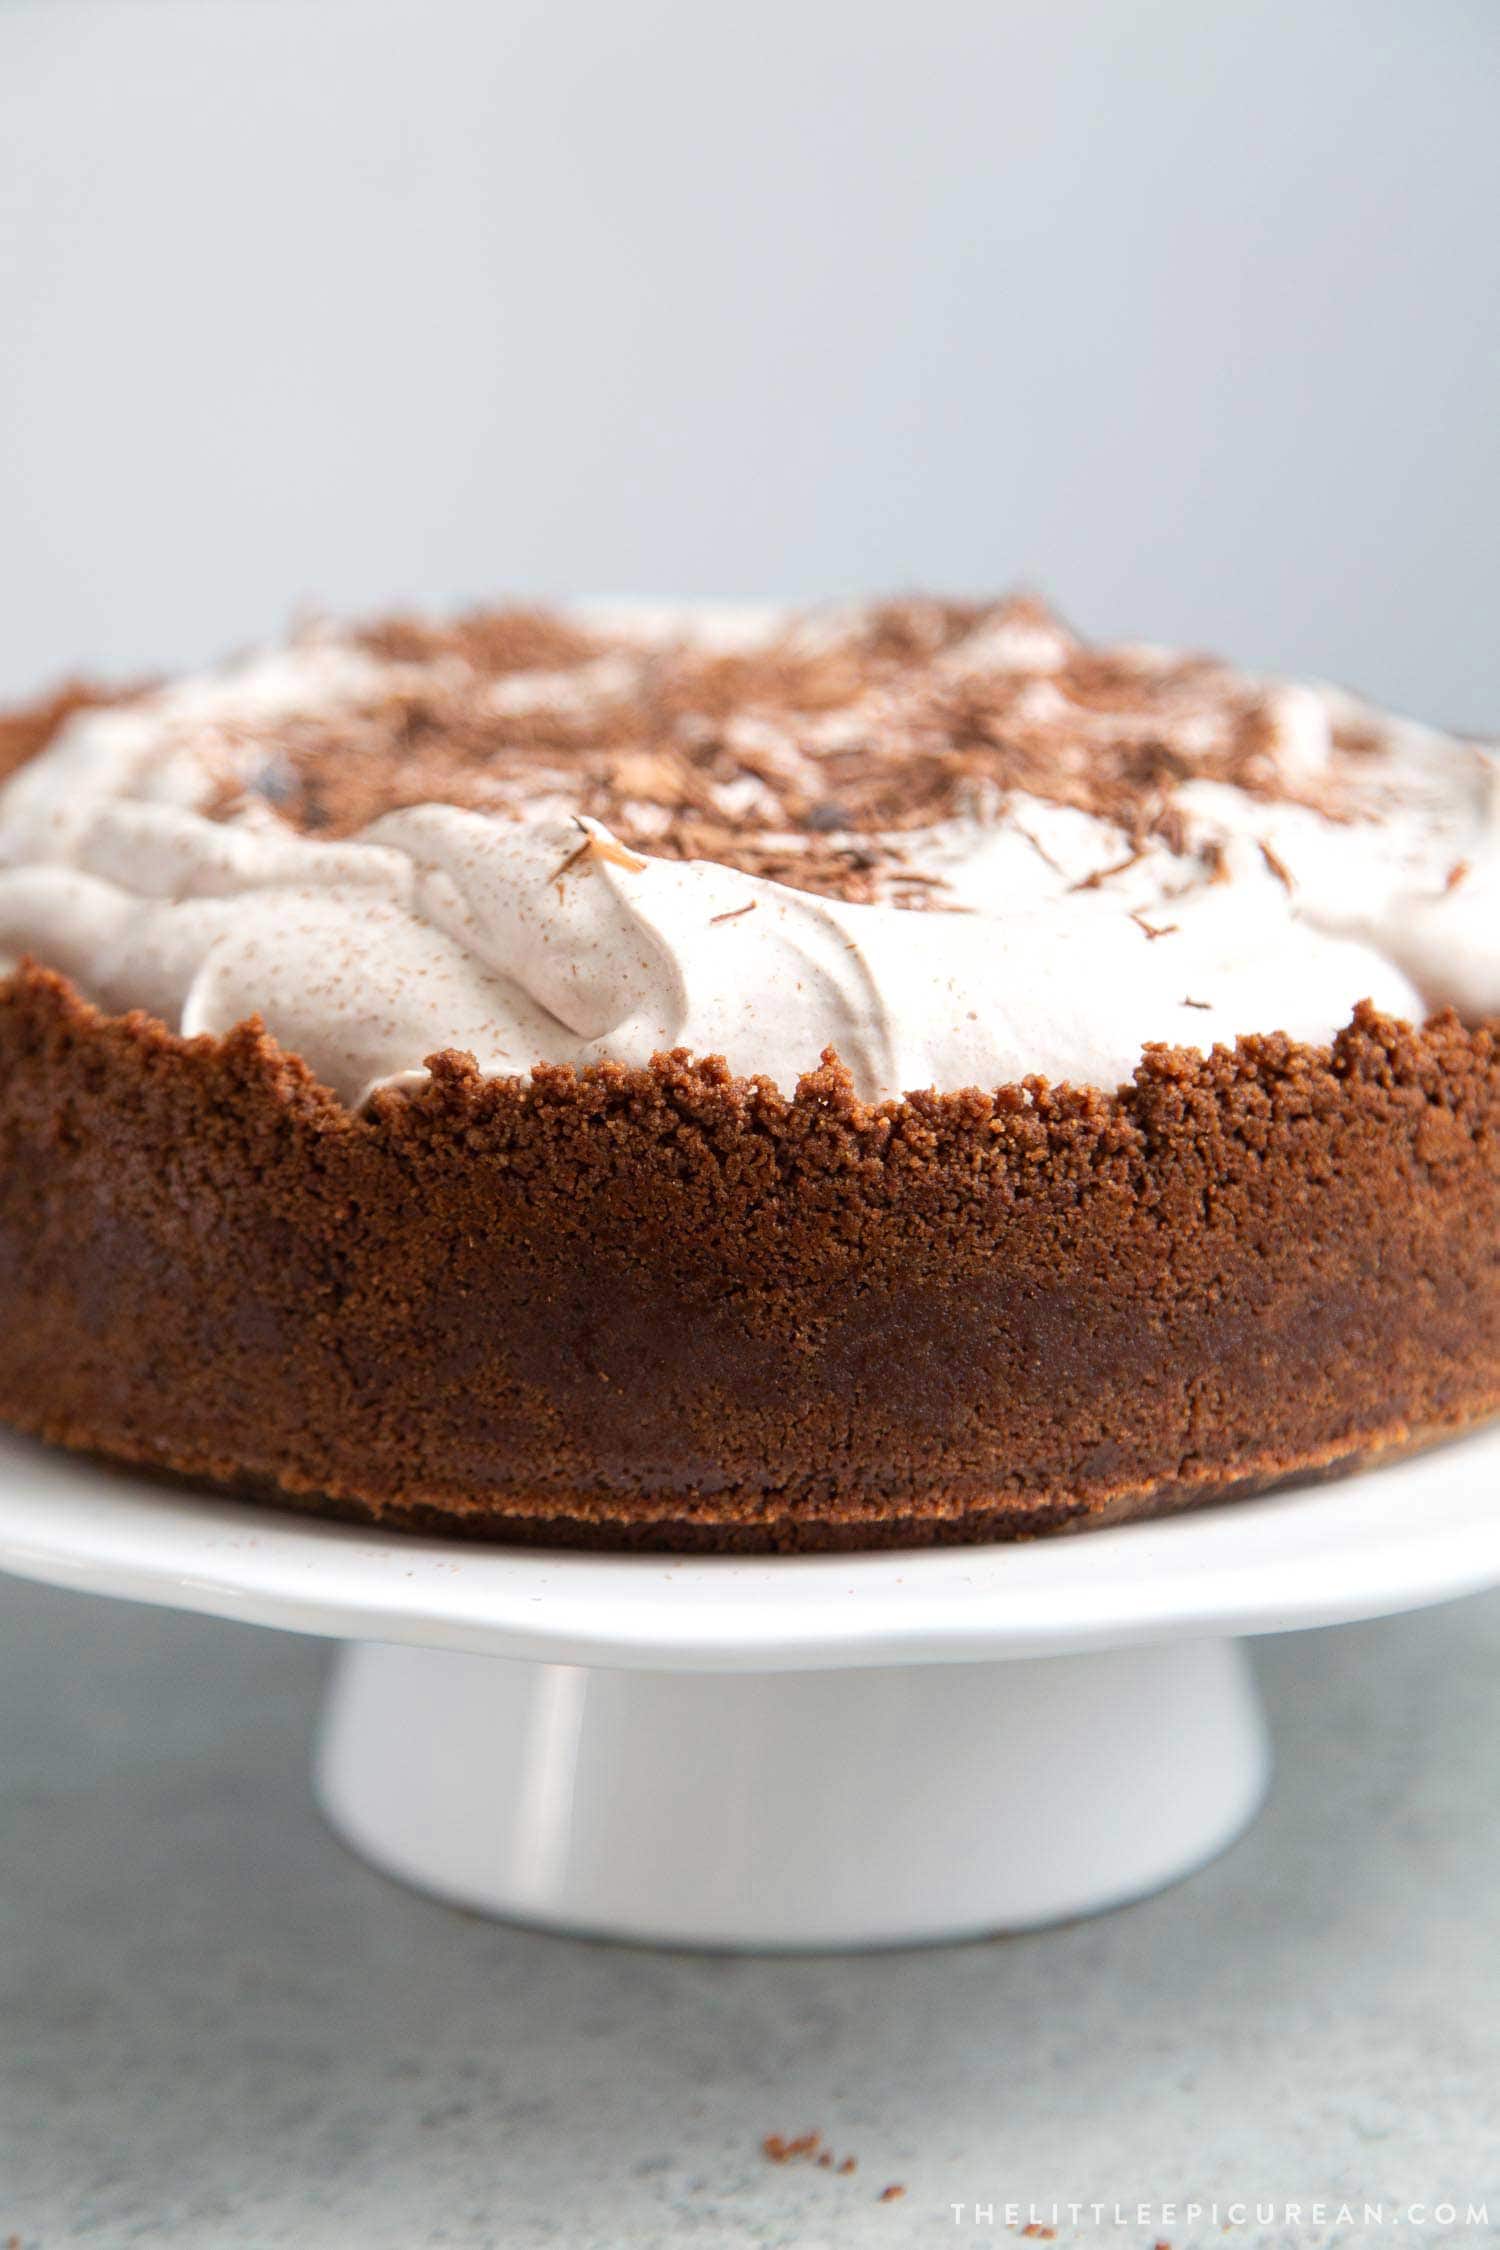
673	1308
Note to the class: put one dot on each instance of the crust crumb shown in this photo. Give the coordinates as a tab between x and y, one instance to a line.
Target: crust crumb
784	2149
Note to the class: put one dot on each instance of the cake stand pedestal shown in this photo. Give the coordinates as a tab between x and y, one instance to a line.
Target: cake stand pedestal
793	1808
773	1753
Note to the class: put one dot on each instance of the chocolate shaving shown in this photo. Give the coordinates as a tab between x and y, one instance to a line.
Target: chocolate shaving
802	758
1276	863
600	847
734	914
1107	874
1154	930
1039	848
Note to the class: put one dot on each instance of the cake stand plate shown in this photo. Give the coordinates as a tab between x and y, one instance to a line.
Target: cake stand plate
810	1751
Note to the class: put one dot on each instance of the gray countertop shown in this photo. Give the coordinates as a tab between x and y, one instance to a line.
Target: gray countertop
217	2028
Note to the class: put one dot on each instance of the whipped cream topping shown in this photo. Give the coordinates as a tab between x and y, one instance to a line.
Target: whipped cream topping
145	854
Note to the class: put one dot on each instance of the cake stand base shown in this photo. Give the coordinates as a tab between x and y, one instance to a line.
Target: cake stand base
769	1810
785	1750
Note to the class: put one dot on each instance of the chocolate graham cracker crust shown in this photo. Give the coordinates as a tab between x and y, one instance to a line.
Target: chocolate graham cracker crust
674	1307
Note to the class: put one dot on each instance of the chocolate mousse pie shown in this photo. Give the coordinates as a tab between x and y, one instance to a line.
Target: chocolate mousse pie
769	1080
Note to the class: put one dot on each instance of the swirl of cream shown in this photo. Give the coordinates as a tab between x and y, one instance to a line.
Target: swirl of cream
540	938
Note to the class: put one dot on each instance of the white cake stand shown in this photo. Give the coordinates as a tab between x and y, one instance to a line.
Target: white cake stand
829	1751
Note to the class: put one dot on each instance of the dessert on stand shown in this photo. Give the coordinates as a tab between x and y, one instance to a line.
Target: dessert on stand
639	1166
717	1084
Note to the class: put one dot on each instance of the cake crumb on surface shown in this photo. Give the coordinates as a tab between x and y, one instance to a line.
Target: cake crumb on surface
787	2148
783	2148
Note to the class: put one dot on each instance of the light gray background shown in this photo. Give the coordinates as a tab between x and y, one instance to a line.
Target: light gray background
1187	309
